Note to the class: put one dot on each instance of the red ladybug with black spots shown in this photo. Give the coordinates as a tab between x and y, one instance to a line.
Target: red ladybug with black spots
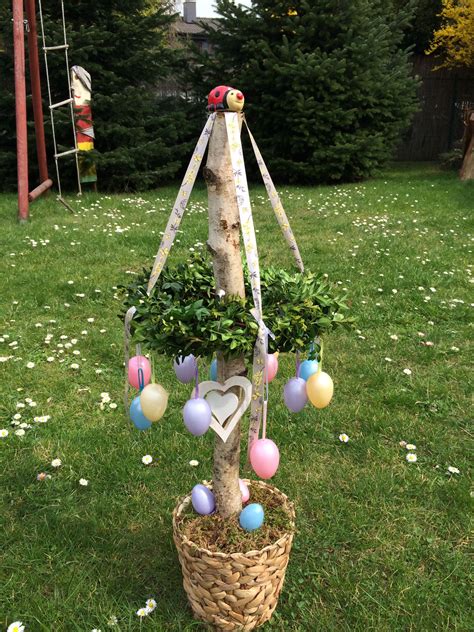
225	98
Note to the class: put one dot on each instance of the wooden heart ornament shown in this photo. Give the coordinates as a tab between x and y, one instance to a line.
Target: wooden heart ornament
228	402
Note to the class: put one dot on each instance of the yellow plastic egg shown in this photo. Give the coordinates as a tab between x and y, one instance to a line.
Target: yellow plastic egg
153	401
320	389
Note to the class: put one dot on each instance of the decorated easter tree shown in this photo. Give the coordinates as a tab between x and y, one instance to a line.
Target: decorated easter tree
221	306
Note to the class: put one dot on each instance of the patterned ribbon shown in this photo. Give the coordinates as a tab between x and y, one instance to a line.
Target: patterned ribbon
171	231
250	245
276	202
181	203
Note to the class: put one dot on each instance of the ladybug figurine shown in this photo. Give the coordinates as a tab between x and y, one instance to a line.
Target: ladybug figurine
225	98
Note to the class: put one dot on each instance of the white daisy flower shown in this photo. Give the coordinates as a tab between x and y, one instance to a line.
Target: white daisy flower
3	433
74	366
453	470
394	336
113	405
343	437
30	365
83	482
407	371
147	459
42	419
20	432
56	463
193	463
150	605
411	457
142	612
16	626
410	446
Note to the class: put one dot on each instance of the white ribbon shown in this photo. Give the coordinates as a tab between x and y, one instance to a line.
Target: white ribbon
276	202
250	246
171	231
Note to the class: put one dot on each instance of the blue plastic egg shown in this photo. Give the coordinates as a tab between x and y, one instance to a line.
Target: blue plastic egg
203	500
136	415
308	368
251	517
213	370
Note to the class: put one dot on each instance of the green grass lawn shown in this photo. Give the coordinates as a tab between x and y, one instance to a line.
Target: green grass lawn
382	544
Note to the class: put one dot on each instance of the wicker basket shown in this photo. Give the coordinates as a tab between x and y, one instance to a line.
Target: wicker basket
233	591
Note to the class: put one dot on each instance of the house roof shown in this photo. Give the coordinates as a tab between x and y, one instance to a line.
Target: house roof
194	28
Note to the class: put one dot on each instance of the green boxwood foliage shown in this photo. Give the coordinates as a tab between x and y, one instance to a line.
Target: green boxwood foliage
183	314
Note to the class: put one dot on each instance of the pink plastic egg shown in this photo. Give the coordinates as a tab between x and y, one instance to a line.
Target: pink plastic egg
272	365
135	363
244	490
264	458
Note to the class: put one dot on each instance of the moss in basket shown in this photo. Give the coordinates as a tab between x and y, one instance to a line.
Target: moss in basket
183	314
217	534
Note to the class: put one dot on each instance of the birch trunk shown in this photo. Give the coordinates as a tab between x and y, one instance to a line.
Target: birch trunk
224	245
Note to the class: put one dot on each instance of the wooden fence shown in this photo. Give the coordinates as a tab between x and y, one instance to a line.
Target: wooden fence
444	95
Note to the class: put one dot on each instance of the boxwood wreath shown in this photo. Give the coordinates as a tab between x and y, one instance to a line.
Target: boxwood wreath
184	315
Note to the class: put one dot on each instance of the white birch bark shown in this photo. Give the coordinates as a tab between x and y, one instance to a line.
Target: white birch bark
224	245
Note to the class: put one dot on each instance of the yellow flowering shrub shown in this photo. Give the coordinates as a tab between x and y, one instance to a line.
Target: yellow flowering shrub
454	40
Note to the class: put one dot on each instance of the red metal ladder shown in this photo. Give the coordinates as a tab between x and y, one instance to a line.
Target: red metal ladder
24	195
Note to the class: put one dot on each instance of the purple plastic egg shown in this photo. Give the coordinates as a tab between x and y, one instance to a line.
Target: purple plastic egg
197	416
203	500
295	395
185	368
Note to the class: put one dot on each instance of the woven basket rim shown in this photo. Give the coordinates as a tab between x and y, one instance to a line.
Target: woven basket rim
184	501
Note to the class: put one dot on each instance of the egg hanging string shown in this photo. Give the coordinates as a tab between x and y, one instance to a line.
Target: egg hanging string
196	382
265	397
298	364
141	375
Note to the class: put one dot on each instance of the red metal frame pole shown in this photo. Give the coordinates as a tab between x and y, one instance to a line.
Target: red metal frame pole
20	108
36	90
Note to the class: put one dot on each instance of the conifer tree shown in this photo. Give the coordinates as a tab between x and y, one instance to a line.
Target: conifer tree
141	140
327	84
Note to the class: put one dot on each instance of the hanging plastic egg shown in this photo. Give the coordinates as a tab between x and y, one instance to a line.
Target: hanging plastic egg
308	368
272	366
135	363
295	395
154	401
197	416
203	500
264	458
320	389
251	517
244	490
185	368
213	370
136	415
